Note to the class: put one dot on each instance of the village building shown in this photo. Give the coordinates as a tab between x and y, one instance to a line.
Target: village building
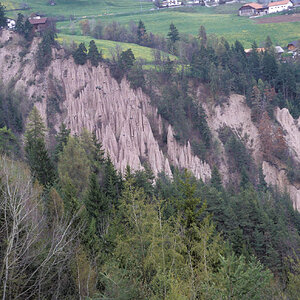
278	6
252	9
39	23
256	9
169	3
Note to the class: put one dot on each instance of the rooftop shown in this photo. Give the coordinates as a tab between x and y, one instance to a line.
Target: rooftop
37	21
253	5
283	2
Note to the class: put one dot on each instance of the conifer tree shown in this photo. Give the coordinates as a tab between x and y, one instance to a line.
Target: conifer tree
93	55
141	33
202	35
19	28
28	33
93	150
97	205
112	183
173	37
80	55
36	153
74	166
3	20
61	140
216	180
173	34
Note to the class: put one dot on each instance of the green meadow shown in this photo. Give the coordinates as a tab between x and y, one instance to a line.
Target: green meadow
81	8
139	52
221	20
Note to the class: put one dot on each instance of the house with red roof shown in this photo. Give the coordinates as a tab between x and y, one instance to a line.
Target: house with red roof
279	6
39	23
256	9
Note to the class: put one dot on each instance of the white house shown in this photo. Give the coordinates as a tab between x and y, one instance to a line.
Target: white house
11	24
278	6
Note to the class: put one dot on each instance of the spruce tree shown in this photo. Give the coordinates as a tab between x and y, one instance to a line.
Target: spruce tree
3	20
141	33
112	182
28	33
61	140
173	34
97	205
173	37
80	55
19	28
216	180
202	35
36	153
93	55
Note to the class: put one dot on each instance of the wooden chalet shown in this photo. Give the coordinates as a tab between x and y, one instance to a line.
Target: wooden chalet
39	23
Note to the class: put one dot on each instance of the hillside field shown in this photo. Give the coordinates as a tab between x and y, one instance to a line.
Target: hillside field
221	21
139	52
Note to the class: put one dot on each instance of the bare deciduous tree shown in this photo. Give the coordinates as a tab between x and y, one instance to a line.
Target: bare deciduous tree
31	254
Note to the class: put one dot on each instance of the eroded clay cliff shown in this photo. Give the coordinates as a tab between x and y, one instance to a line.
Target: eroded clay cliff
88	97
124	120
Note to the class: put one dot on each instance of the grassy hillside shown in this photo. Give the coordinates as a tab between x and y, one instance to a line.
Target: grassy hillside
139	52
222	20
79	8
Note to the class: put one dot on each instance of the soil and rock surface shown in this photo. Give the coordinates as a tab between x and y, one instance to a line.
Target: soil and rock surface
128	125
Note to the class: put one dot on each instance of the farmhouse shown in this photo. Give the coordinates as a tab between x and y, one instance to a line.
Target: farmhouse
39	23
279	6
252	9
256	9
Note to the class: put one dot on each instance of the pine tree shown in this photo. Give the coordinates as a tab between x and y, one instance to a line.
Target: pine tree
202	35
112	183
36	153
74	166
19	28
141	33
61	140
80	55
3	20
93	55
173	37
97	205
173	34
126	60
28	33
93	150
216	180
238	279
44	53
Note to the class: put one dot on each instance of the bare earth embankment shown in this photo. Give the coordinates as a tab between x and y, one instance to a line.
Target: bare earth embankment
279	19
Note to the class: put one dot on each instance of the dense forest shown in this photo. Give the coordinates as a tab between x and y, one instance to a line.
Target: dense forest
73	227
77	228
